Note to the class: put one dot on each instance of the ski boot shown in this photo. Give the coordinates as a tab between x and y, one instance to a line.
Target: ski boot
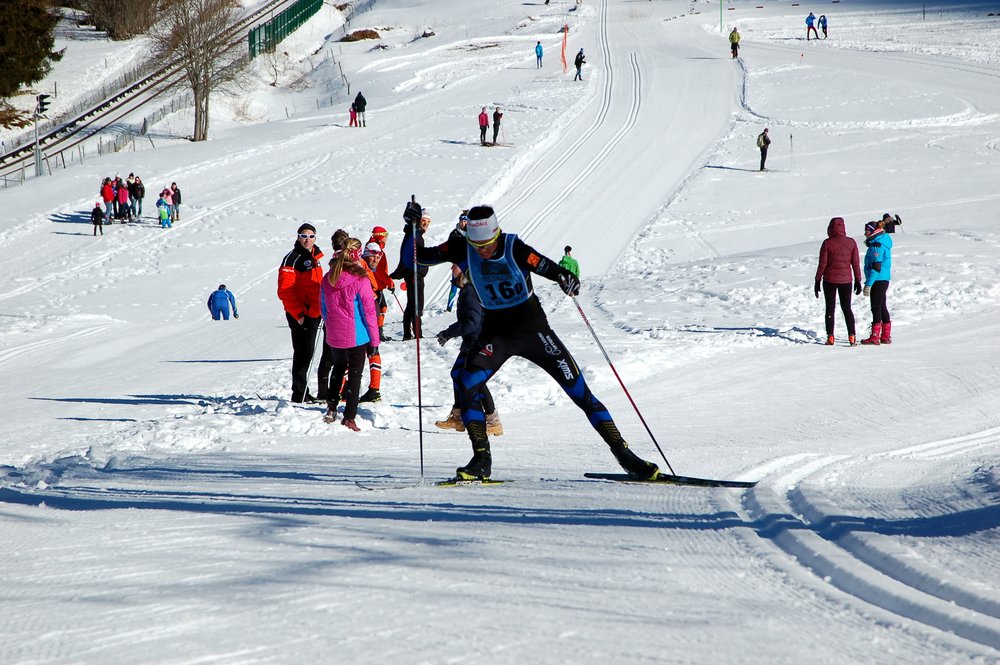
350	424
371	396
453	421
632	463
493	425
481	464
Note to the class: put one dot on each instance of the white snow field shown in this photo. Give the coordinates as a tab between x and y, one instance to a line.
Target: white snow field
162	501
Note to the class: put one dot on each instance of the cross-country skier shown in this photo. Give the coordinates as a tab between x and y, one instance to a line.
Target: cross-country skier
514	324
763	141
219	302
578	62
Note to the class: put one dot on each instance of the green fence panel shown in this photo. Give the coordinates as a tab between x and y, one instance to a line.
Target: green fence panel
265	37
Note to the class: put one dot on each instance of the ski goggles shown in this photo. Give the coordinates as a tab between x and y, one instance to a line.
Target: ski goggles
483	243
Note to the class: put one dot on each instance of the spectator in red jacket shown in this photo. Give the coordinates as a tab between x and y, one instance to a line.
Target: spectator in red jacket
108	196
839	260
381	270
299	277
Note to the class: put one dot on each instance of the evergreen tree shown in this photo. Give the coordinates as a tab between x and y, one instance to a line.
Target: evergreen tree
26	40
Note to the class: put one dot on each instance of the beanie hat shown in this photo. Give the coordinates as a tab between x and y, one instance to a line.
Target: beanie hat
483	227
97	205
379	231
222	287
371	249
567	249
306	227
871	228
886	216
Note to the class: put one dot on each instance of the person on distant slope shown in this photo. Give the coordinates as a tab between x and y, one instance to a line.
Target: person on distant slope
514	324
497	117
348	309
468	326
484	124
763	141
822	24
121	194
219	302
97	218
354	116
175	195
810	27
299	276
108	196
838	261
138	192
878	273
360	104
568	262
538	54
734	42
578	62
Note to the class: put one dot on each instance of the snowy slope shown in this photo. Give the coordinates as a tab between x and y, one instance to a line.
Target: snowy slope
163	502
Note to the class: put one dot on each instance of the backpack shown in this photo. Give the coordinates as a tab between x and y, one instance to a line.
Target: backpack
760	140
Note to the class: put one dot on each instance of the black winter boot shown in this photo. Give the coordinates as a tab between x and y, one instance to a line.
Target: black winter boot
481	464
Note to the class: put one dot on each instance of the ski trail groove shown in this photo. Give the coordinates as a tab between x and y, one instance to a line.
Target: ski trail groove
820	536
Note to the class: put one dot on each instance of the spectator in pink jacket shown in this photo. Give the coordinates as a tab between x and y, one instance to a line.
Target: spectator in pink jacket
347	304
839	261
124	211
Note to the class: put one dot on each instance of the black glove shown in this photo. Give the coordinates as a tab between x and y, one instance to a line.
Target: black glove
857	288
817	288
412	212
371	349
569	284
442	340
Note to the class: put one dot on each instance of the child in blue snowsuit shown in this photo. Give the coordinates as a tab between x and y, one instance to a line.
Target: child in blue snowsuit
219	302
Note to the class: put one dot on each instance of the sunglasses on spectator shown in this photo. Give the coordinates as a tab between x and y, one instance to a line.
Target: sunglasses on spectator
307	236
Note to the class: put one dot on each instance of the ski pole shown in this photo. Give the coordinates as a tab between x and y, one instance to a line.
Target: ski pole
398	303
621	383
416	334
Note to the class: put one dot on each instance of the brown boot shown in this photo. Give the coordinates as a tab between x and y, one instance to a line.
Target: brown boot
493	425
453	421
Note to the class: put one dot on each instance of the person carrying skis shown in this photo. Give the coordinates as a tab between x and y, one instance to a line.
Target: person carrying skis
360	104
578	62
538	55
347	303
468	326
810	27
497	117
299	277
822	24
878	273
569	263
763	141
484	124
839	260
219	302
734	43
514	324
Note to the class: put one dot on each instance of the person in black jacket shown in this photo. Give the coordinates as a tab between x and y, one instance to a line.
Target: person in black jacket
97	218
175	198
136	192
359	104
514	324
578	63
416	222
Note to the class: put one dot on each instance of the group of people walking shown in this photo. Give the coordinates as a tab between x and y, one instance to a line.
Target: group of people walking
840	267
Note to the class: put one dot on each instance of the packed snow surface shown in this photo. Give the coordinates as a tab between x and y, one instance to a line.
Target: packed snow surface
164	502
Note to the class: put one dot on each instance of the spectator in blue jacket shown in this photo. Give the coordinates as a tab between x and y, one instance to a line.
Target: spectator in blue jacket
810	26
219	302
822	24
538	55
878	273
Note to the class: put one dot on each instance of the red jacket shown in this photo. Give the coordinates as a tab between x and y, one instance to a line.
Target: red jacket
484	120
382	279
107	192
838	256
299	277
